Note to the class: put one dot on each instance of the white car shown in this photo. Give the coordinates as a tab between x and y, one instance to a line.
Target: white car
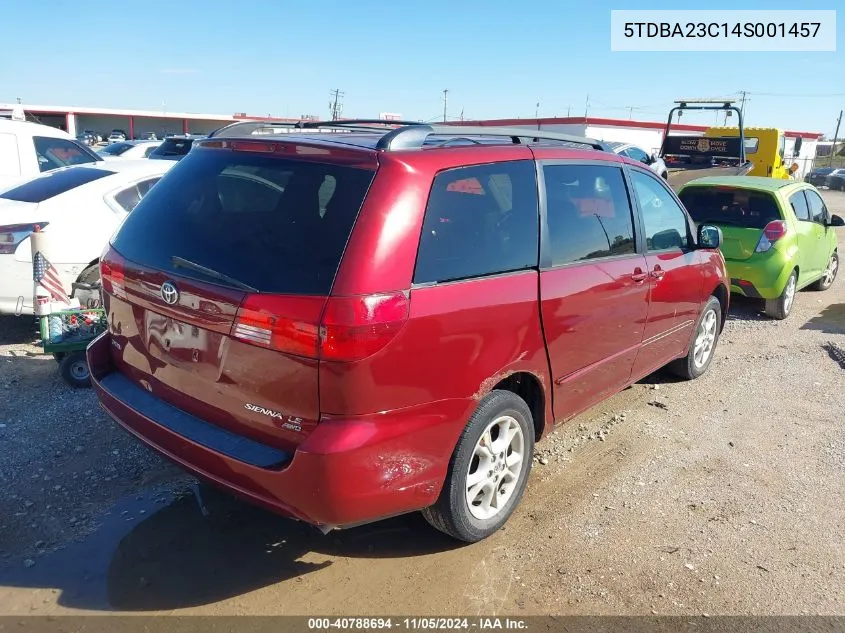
128	149
78	208
28	149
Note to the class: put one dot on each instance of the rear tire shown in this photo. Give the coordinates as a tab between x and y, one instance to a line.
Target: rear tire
703	344
74	370
829	275
781	307
495	453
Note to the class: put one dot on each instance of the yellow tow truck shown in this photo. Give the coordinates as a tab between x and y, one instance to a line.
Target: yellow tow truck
765	148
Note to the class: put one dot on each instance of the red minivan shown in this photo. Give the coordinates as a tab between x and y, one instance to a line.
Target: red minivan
348	325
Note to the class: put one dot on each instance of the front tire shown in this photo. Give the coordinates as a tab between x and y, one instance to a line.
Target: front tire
829	276
781	307
703	344
488	471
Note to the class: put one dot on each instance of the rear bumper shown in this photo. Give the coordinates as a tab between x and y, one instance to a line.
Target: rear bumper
762	276
347	471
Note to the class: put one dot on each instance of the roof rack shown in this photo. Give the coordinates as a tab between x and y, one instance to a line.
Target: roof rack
410	134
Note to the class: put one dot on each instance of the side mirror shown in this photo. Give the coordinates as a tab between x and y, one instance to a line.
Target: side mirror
709	236
796	149
836	220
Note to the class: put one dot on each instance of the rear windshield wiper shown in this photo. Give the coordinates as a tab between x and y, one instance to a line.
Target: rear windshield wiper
179	262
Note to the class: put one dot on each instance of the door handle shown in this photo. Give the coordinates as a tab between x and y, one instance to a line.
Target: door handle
657	272
638	276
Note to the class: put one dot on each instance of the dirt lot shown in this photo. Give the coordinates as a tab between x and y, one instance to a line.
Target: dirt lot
718	496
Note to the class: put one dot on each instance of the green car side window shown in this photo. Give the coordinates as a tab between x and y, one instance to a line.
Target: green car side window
799	205
818	212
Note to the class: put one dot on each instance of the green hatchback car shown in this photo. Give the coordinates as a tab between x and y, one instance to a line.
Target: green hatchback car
777	235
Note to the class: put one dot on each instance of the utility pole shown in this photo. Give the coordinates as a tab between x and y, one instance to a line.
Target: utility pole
835	138
335	105
630	112
445	98
587	105
742	104
568	110
537	111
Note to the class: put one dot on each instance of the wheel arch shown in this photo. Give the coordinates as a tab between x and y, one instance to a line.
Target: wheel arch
531	389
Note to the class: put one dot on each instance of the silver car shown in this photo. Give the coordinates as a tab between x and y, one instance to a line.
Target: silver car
655	163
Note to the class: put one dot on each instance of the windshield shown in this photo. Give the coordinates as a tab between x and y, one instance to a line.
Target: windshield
115	149
729	206
277	225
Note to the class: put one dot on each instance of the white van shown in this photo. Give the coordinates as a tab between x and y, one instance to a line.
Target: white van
28	149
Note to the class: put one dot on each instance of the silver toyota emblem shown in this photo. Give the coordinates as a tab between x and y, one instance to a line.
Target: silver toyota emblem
169	293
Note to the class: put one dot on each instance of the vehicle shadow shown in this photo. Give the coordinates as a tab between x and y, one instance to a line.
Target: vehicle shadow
181	557
831	320
746	309
22	330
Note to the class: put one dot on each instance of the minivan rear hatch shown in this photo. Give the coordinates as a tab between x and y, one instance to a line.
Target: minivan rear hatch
217	281
742	214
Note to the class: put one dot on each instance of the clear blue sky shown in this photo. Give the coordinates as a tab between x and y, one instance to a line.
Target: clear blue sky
497	58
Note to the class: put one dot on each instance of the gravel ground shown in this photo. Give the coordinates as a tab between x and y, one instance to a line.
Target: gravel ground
718	496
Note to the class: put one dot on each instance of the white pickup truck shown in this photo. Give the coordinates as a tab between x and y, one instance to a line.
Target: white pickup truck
28	149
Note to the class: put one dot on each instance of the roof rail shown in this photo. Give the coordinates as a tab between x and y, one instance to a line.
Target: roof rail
409	134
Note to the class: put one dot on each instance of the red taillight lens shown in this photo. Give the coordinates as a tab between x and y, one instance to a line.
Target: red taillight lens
338	328
112	275
12	235
772	232
284	323
357	327
775	230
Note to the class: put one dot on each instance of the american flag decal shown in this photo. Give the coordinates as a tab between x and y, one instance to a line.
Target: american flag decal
47	275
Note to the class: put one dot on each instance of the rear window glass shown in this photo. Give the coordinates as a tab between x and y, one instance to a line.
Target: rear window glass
54	183
173	148
278	225
734	207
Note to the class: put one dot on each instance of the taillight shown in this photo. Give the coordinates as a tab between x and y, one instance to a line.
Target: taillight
112	275
357	327
284	323
772	232
337	328
13	234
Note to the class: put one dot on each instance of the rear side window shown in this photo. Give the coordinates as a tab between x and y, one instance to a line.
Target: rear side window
129	198
278	225
480	220
53	153
53	184
729	206
588	211
799	205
